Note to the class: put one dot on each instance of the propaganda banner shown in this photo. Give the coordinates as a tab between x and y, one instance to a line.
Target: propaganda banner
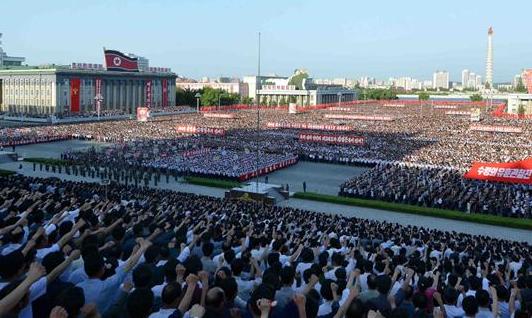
189	129
458	113
219	115
332	139
74	94
148	93
98	94
445	107
359	117
118	61
165	92
394	105
511	172
492	128
308	126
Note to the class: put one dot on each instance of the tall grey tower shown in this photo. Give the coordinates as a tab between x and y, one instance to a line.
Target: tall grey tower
489	60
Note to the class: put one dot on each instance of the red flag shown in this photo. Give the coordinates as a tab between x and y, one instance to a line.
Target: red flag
165	93
74	95
118	61
148	93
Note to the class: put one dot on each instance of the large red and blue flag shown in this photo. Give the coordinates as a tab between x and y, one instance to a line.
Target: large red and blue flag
118	61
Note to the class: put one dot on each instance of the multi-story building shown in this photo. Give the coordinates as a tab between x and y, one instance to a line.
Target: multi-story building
6	60
230	87
470	80
62	90
440	79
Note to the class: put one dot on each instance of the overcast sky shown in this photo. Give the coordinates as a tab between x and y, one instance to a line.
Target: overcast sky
329	38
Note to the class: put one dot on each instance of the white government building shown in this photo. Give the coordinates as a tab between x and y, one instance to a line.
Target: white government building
274	90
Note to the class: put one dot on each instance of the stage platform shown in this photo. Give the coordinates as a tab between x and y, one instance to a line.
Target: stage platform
266	193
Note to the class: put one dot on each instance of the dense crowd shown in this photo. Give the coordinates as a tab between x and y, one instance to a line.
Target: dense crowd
73	249
440	145
440	188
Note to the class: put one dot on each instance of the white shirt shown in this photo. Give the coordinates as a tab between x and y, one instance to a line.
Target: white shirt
163	313
37	289
41	253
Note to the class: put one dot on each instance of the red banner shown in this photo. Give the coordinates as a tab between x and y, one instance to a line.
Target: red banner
360	117
165	92
445	107
490	128
332	139
148	93
74	94
268	169
219	115
189	129
308	126
458	112
98	94
513	172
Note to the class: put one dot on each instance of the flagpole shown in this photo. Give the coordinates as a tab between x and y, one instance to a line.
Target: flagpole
257	88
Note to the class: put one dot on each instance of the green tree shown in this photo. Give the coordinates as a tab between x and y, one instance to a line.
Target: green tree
246	100
186	96
476	98
282	101
297	79
423	96
378	93
521	110
211	97
520	88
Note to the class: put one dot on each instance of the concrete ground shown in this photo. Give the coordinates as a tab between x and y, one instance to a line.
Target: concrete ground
324	178
321	178
54	149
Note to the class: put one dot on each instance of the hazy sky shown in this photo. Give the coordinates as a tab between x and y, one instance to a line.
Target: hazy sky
330	38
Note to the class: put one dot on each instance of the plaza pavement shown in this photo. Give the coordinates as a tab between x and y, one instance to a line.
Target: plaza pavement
323	178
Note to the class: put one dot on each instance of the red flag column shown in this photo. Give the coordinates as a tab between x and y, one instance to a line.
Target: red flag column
165	93
148	93
74	94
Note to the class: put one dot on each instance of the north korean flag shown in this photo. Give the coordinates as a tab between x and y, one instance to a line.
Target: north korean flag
118	61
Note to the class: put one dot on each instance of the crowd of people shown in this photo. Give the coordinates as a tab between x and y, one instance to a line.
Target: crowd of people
442	146
71	249
225	163
439	188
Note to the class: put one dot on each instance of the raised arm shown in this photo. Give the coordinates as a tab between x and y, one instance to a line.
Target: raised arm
61	267
35	272
191	280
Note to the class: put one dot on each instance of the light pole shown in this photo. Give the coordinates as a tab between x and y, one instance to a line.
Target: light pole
198	96
219	101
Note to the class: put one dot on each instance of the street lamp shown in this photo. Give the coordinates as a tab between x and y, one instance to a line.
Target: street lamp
198	96
219	101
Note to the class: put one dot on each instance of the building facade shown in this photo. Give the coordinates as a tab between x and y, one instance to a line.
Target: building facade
275	90
440	79
517	100
65	90
230	87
